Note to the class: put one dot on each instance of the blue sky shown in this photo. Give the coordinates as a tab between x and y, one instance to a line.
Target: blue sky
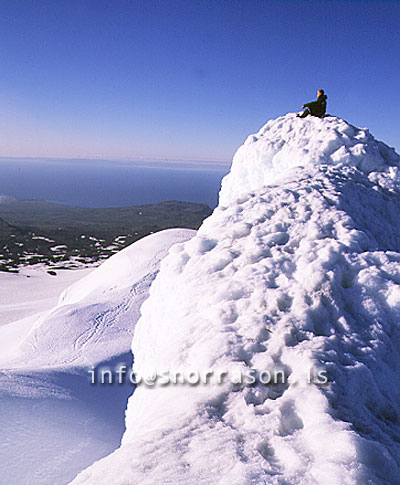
187	79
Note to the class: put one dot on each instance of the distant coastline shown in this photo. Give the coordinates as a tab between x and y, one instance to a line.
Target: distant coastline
142	162
98	183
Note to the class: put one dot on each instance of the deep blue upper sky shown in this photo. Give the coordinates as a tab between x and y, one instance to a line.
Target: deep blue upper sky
187	78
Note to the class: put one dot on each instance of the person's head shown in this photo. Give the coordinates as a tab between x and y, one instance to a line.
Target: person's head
320	91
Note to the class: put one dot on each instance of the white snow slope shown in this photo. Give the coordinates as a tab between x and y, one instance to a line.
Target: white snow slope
305	243
33	290
95	317
53	422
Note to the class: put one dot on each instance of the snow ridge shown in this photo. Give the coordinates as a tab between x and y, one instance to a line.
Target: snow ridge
287	142
296	269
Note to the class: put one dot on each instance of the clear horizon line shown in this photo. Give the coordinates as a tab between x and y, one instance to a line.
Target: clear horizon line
120	159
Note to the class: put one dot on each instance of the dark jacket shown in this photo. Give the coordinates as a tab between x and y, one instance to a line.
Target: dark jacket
318	108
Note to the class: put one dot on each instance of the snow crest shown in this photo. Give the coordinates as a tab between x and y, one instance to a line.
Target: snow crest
288	142
302	276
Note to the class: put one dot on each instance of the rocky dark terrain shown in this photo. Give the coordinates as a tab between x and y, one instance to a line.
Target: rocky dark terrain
62	236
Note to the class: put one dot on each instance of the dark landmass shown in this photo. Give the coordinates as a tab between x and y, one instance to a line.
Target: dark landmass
61	236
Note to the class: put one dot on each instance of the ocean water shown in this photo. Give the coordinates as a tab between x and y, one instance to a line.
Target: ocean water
99	183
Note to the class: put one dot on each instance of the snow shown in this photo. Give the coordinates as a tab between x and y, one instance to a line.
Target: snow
286	142
53	422
297	270
42	238
60	247
33	290
94	318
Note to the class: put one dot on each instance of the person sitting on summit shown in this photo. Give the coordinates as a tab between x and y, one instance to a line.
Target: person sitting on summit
315	108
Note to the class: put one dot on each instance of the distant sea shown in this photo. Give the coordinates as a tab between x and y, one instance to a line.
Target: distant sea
107	183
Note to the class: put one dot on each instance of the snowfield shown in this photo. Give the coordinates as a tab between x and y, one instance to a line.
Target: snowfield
297	269
95	317
53	422
33	290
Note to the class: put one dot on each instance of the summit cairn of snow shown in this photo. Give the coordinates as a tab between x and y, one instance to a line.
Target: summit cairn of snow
298	271
287	142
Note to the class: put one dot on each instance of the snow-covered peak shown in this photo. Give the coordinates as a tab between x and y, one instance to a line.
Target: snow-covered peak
296	271
288	142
